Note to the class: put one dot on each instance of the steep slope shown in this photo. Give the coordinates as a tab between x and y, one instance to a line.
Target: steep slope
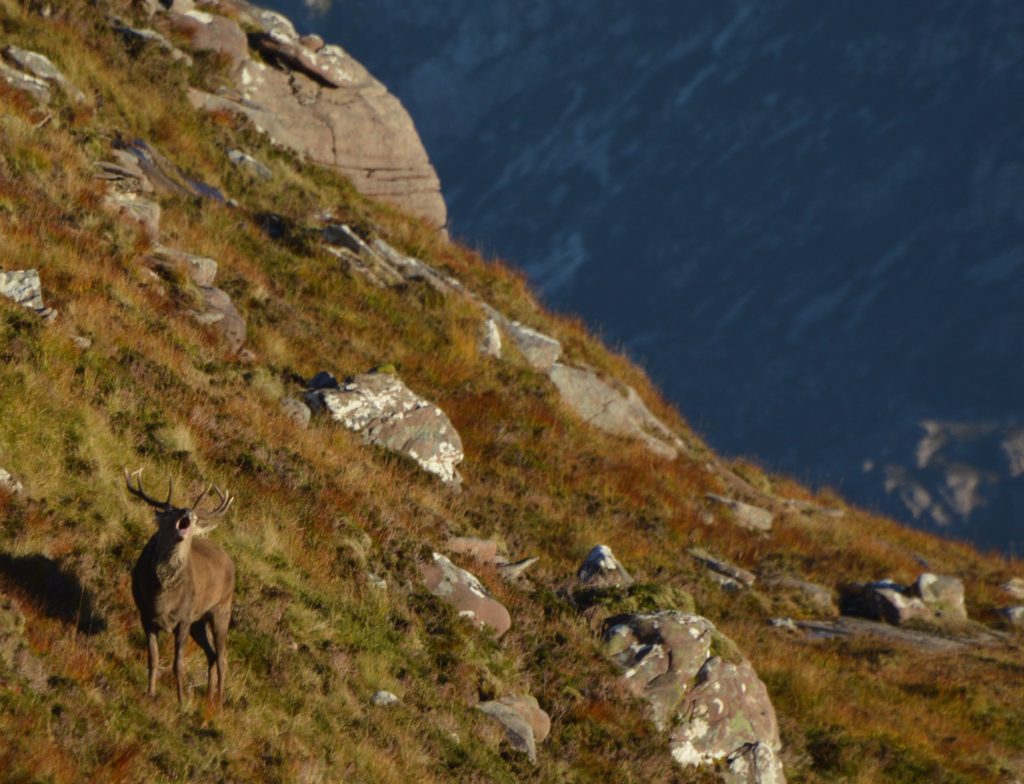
194	282
804	222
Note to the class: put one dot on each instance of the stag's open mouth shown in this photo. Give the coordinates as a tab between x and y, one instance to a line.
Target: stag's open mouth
183	525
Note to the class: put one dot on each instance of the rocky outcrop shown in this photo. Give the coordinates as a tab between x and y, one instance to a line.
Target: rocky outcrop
714	709
748	516
932	598
465	593
526	723
320	103
385	412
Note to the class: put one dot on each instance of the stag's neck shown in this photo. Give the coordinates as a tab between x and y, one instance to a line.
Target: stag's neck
172	560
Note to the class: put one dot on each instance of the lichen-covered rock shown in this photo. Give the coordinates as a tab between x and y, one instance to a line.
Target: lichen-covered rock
24	287
726	711
384	699
389	414
323	104
540	350
37	89
40	67
220	312
250	164
526	724
714	709
748	516
601	568
623	414
465	593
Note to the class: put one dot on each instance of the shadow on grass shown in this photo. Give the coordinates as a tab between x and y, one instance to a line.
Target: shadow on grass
58	593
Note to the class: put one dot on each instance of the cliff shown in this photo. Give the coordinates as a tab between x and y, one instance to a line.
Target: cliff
471	543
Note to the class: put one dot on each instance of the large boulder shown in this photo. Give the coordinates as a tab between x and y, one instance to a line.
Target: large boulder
465	593
715	710
526	723
600	404
389	414
326	106
943	595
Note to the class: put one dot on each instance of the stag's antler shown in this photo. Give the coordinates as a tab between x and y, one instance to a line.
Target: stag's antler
222	507
138	492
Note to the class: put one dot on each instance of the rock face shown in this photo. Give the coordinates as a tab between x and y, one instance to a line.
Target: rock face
320	103
748	516
389	414
932	598
465	593
620	413
717	710
601	568
526	723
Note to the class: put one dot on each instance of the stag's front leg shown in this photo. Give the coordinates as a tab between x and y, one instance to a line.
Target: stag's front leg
180	638
154	660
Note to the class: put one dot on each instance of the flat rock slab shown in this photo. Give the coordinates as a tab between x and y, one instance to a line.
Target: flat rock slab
526	723
600	404
387	413
927	642
463	591
748	516
40	67
724	568
37	89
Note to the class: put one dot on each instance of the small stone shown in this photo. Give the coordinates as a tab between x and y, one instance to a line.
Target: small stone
490	339
83	342
245	161
512	571
384	699
723	568
376	582
1014	587
9	483
24	287
601	568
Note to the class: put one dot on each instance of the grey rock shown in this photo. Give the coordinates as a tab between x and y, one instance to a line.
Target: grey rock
296	410
221	312
465	593
926	642
24	287
623	414
39	66
601	568
754	763
136	209
202	270
124	174
37	89
943	595
245	161
883	600
385	412
784	623
526	724
540	350
748	516
412	269
515	569
138	37
723	568
384	699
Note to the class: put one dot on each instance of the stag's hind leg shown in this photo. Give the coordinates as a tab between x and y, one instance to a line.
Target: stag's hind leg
200	633
220	620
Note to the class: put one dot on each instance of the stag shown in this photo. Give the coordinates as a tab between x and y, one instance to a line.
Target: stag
184	584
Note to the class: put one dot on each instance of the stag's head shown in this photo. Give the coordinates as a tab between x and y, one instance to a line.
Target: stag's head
177	524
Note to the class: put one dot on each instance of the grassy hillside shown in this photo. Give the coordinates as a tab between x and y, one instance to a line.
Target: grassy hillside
317	511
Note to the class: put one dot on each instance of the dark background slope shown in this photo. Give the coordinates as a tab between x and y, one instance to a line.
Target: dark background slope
806	220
